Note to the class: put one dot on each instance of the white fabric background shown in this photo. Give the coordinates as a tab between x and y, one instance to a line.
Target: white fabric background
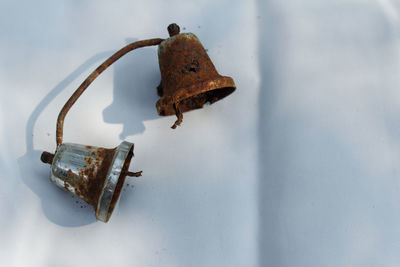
299	167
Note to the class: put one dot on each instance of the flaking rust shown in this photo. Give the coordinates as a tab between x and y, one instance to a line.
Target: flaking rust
188	76
91	173
188	81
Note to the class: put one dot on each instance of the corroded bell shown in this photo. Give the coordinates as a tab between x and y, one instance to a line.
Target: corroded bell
188	80
94	174
188	77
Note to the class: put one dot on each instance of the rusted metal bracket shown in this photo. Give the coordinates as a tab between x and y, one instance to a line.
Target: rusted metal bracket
128	48
188	80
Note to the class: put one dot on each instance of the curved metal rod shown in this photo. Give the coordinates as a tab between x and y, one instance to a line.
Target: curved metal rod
92	76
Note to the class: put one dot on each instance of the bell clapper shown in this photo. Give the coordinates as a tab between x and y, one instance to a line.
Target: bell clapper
134	174
179	116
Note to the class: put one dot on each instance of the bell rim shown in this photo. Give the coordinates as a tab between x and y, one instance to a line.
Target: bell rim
165	105
115	176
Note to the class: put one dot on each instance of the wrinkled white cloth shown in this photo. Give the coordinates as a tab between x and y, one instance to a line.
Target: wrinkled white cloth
298	167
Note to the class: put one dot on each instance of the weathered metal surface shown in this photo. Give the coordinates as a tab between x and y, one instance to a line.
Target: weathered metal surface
93	174
188	77
114	181
189	80
173	29
81	170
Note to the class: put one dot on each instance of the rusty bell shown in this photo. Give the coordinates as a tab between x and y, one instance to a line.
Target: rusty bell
94	174
188	81
188	76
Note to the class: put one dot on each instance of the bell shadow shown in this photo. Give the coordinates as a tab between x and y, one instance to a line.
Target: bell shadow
136	77
59	207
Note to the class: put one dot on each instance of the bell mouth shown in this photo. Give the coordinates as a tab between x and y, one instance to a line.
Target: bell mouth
198	101
195	96
114	181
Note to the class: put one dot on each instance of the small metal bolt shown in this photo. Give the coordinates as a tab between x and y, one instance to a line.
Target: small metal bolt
173	29
47	157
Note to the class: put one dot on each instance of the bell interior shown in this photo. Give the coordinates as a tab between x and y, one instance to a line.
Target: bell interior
198	101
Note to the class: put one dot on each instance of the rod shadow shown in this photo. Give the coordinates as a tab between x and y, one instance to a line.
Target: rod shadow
136	76
59	207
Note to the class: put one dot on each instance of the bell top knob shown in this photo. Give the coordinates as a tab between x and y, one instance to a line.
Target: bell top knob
173	29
